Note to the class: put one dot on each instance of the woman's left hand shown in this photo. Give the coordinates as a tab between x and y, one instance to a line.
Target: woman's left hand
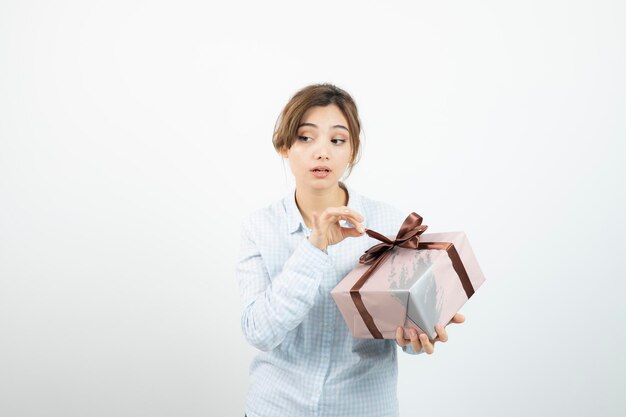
417	343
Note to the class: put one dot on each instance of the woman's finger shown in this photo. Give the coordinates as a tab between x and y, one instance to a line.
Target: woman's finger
352	213
457	318
400	340
442	334
415	342
350	232
428	346
334	217
345	212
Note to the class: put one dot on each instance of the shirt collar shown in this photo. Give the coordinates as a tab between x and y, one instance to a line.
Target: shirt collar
294	217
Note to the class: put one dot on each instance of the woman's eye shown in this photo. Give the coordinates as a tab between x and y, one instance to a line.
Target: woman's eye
335	141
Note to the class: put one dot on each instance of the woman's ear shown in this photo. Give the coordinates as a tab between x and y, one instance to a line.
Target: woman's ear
283	152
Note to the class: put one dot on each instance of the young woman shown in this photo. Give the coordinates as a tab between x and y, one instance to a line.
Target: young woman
293	252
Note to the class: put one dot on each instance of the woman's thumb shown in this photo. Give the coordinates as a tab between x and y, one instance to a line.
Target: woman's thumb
350	232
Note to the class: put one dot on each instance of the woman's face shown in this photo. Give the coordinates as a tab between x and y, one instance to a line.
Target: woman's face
323	140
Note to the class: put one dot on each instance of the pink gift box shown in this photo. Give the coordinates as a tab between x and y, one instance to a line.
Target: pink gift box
416	281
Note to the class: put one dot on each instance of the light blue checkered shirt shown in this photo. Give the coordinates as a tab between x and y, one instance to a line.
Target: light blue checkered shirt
310	364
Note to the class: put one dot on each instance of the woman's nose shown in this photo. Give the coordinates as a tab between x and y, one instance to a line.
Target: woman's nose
322	151
321	155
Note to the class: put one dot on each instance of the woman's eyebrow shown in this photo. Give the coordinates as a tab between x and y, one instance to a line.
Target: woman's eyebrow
315	126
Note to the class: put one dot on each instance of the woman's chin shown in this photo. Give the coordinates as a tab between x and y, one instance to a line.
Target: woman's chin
321	183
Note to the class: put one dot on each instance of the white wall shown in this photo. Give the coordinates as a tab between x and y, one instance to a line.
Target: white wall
135	135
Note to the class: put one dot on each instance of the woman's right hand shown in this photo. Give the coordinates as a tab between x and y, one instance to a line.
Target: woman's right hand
327	231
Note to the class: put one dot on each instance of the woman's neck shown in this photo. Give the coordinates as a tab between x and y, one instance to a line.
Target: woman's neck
310	200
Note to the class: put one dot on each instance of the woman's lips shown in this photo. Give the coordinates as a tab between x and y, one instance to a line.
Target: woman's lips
320	172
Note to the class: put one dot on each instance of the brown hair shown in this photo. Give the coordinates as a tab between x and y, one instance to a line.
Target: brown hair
286	128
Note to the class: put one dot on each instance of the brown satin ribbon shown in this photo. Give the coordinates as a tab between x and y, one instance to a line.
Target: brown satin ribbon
408	237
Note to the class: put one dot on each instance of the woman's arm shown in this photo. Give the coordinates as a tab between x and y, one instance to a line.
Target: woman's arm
272	308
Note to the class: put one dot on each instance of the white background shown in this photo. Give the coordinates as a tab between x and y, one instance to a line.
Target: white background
135	135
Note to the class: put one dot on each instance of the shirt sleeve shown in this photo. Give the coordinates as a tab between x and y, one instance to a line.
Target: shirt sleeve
273	307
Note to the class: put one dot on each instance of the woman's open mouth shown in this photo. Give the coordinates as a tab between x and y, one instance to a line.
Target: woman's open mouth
320	172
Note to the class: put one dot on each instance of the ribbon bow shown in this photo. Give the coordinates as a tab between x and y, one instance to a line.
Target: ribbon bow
408	237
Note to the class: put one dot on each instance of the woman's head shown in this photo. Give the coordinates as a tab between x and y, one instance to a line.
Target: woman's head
319	126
